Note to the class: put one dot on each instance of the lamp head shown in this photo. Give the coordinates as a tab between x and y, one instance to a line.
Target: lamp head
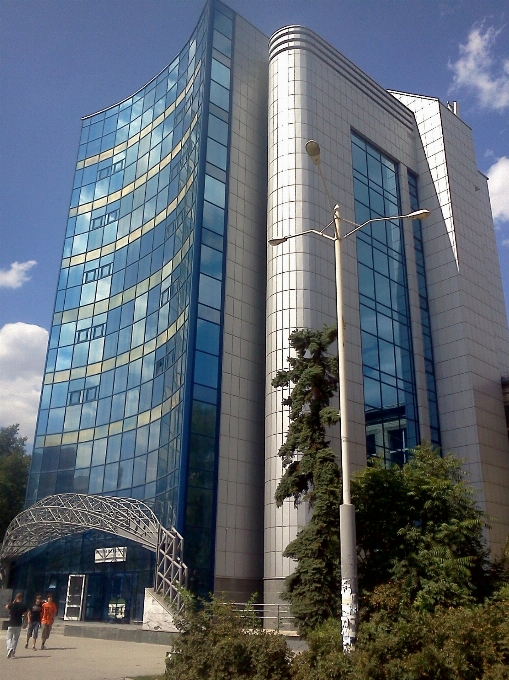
277	241
419	215
313	151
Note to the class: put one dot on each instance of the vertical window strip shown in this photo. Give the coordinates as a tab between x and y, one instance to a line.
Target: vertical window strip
425	316
389	377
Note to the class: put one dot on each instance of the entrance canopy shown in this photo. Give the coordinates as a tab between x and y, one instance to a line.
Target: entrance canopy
72	513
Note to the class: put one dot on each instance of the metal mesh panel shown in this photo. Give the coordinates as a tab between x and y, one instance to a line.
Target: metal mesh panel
171	572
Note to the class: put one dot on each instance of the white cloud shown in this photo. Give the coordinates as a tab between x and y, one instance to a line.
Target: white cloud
16	276
478	70
22	355
499	189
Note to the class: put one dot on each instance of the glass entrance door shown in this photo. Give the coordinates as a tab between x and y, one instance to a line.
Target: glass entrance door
75	593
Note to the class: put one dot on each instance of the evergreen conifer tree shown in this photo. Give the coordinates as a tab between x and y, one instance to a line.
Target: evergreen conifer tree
311	474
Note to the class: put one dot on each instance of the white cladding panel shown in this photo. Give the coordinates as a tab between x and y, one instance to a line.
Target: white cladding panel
239	525
468	318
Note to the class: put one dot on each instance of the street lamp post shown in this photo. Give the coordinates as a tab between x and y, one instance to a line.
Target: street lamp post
349	592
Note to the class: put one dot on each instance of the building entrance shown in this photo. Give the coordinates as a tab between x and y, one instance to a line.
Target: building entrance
76	584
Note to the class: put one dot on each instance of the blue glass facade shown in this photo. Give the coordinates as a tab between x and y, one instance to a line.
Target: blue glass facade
46	569
130	400
392	425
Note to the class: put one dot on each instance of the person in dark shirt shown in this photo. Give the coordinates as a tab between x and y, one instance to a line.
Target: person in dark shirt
34	621
16	610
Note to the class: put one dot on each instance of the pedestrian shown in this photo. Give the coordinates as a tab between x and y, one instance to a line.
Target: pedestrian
34	621
49	609
16	610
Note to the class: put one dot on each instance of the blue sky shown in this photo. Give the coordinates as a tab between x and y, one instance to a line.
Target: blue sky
63	59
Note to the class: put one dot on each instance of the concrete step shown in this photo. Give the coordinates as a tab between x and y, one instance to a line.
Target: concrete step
108	631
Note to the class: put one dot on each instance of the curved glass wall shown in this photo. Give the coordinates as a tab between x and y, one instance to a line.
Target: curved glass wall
389	379
131	388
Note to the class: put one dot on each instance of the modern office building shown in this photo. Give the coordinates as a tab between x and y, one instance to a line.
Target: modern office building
172	315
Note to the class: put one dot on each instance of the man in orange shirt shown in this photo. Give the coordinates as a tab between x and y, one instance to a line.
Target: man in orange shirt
49	609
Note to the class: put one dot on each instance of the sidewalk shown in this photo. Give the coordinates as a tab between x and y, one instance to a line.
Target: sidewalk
81	658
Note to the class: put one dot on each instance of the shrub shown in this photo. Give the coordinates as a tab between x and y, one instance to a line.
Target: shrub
463	643
217	642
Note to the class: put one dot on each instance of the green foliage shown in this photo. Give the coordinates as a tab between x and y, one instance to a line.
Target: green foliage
324	658
217	642
423	568
311	474
422	565
14	466
499	570
419	526
464	643
424	576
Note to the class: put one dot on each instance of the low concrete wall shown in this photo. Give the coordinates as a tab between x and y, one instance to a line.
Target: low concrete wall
135	633
127	633
157	614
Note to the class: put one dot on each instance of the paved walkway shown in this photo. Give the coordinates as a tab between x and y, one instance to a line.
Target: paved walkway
73	658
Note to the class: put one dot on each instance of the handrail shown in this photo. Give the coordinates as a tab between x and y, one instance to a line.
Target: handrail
267	613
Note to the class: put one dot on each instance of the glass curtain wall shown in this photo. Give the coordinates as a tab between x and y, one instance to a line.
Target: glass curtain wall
202	443
389	382
129	405
123	298
46	570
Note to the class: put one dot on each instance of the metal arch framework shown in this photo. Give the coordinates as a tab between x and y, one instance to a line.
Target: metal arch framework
72	513
66	514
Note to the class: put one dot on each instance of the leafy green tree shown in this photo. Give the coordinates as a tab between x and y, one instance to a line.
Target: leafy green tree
14	467
218	642
499	570
419	525
311	474
424	577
